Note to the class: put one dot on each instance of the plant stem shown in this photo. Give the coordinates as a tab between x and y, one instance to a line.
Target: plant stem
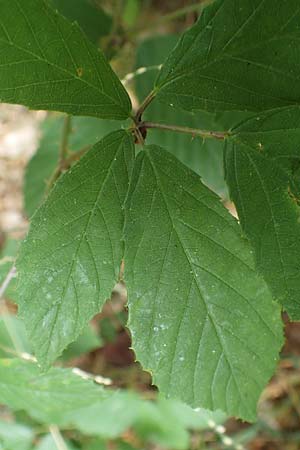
140	71
67	128
182	12
57	437
11	274
143	106
193	131
63	152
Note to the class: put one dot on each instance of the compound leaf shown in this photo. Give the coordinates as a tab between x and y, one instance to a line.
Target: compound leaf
48	63
202	320
70	260
237	56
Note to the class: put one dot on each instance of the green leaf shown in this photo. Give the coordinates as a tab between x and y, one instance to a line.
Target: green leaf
14	436
60	397
205	157
202	320
237	56
70	260
12	335
48	63
92	19
85	343
258	162
86	131
46	397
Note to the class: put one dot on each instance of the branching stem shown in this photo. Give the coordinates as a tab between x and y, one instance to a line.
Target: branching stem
143	106
221	135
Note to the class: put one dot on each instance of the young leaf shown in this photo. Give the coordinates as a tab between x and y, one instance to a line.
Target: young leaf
85	131
237	56
258	161
202	320
70	260
48	63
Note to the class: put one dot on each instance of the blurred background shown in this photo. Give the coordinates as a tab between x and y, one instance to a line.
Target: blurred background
136	36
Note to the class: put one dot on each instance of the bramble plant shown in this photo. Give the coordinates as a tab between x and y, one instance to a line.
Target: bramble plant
205	291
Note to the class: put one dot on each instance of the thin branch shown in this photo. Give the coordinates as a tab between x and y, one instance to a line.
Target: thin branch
63	152
57	437
143	106
221	135
182	12
9	277
65	139
140	71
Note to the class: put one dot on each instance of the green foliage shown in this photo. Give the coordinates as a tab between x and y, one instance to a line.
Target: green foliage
258	160
74	248
204	156
195	324
85	132
60	397
50	64
91	18
48	443
236	61
14	436
202	318
12	335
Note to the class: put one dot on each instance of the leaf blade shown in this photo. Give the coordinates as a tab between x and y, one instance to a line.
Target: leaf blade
259	172
213	67
64	73
191	327
70	261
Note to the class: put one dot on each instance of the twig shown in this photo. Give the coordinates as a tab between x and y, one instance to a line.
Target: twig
143	106
63	151
140	71
193	131
11	274
65	139
57	437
